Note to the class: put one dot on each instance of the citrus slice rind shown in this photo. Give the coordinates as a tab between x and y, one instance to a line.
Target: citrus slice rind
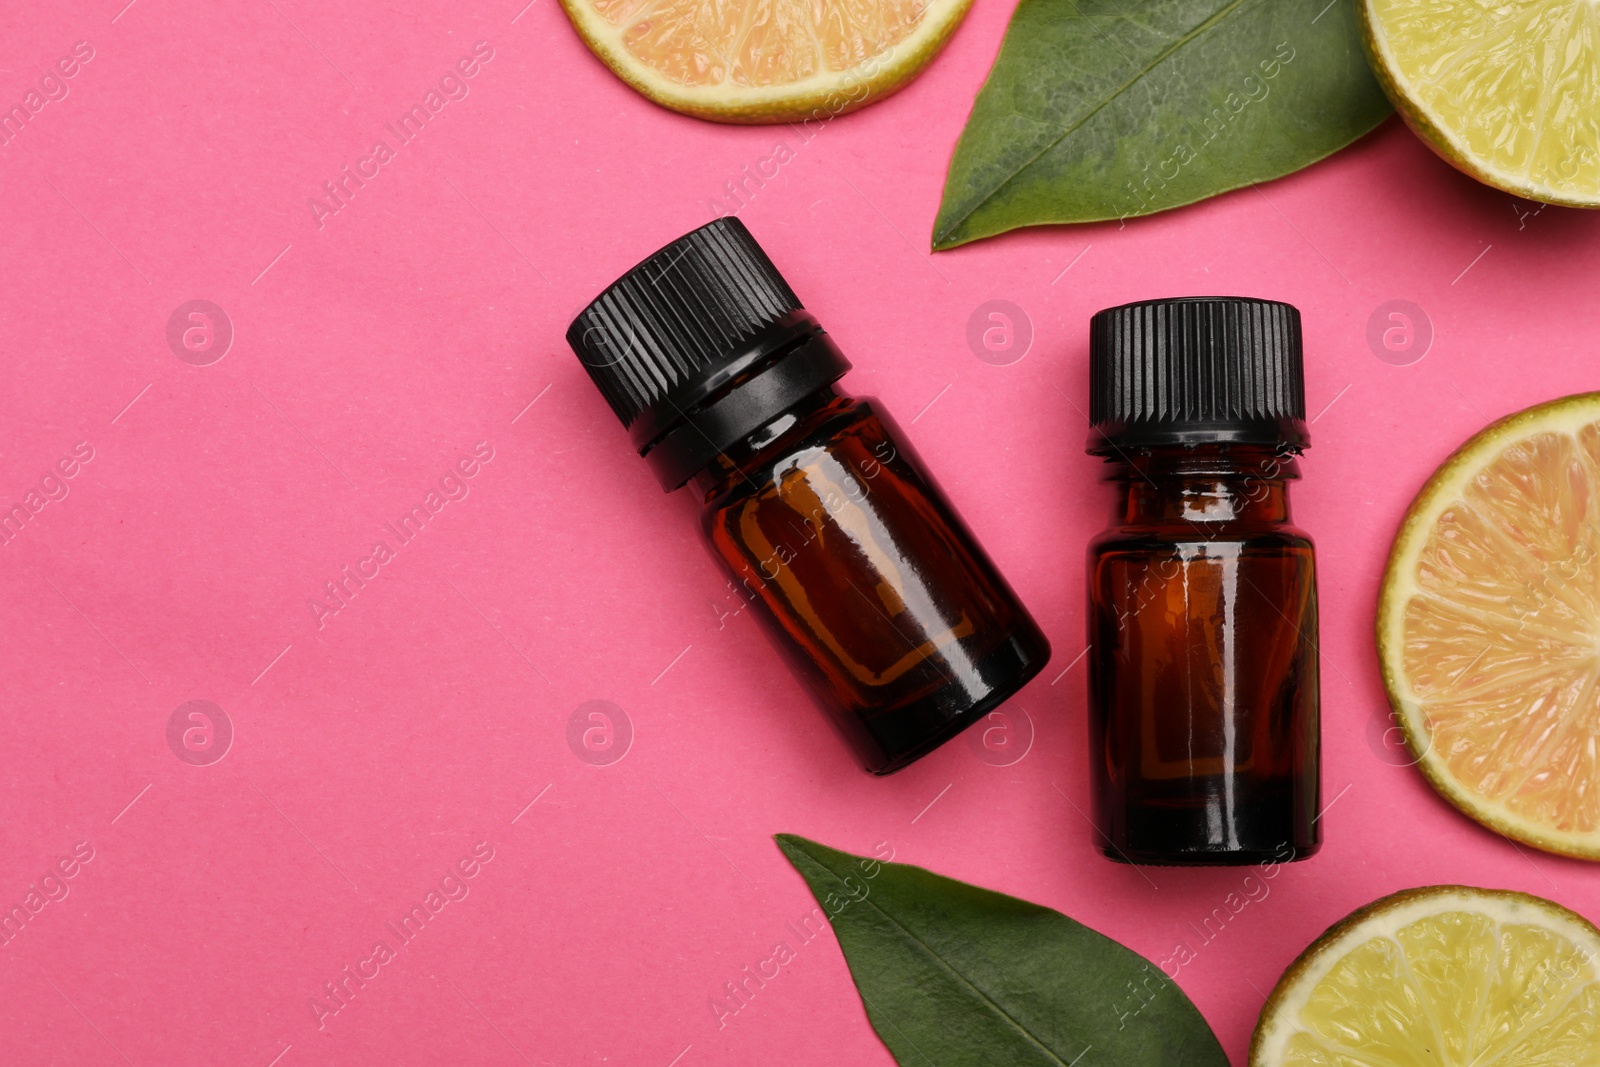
1488	627
765	61
1507	92
1443	976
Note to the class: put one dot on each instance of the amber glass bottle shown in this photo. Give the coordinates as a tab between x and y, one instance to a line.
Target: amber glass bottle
1202	597
813	500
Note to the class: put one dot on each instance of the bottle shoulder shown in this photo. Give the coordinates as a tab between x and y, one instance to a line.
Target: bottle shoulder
1255	535
788	438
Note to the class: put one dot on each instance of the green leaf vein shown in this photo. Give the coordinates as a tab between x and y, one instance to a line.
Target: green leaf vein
1144	72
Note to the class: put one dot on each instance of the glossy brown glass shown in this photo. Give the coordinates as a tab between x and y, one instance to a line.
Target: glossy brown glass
1203	674
887	605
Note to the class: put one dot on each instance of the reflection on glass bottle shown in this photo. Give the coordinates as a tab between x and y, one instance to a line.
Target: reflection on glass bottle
907	630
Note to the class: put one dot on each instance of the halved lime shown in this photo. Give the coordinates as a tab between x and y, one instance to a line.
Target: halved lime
1508	91
1446	976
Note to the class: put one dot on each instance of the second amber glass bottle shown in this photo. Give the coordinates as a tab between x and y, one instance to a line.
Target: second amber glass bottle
813	500
1202	596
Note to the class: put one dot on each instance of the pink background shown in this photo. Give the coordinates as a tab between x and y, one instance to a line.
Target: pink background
427	315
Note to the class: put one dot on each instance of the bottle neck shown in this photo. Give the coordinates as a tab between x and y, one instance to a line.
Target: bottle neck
745	395
1205	484
739	460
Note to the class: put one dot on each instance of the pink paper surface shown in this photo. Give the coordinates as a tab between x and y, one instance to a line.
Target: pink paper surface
375	747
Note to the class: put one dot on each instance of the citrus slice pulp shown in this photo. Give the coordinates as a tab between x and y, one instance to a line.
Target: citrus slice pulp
1445	976
1489	627
756	61
1507	91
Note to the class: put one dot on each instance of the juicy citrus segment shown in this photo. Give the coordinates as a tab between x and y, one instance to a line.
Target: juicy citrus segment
1507	91
765	60
1489	627
1447	976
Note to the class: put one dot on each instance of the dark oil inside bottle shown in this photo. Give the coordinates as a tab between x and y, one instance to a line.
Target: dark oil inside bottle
1203	669
898	619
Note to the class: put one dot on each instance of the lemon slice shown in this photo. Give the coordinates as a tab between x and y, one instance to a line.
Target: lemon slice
1489	627
765	60
1446	976
1507	91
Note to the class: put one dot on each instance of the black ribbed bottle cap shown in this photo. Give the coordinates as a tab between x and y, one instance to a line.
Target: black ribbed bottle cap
700	345
1196	370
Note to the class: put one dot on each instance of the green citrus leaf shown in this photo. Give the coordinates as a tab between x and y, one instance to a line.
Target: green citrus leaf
1104	109
957	976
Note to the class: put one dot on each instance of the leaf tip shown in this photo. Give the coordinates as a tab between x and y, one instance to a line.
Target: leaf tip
790	844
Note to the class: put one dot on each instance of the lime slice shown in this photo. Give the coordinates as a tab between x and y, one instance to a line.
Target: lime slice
756	61
1446	976
1489	627
1507	91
